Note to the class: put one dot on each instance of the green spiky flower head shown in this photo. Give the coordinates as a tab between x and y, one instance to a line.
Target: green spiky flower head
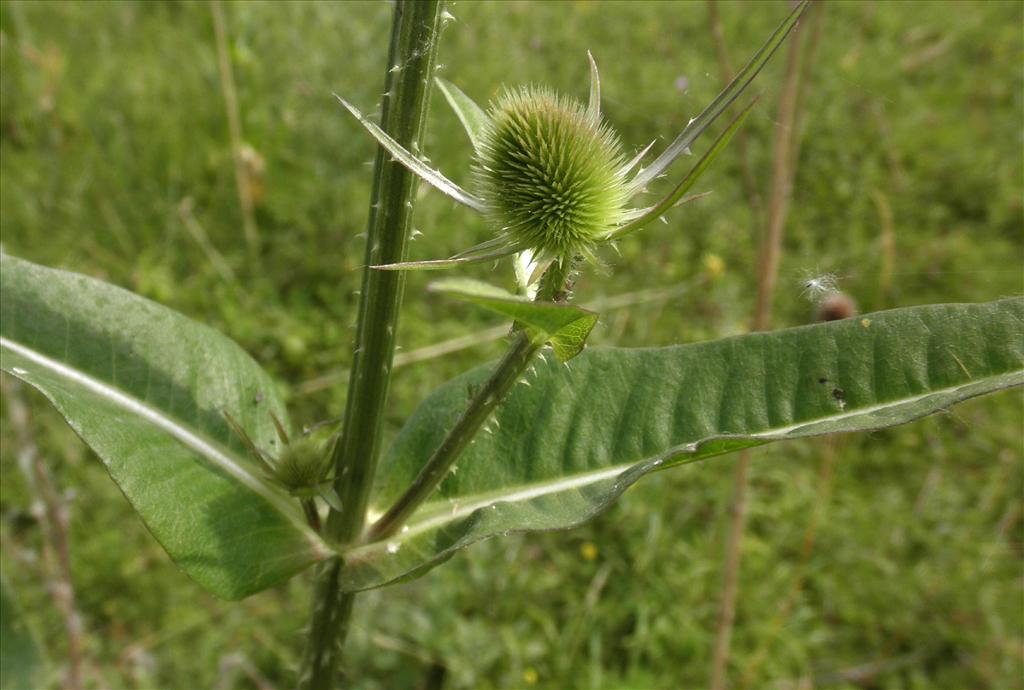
550	173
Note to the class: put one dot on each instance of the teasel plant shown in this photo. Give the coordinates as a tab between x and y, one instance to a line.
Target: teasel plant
551	178
175	419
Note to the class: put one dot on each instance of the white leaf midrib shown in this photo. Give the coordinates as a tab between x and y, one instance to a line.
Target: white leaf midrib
183	434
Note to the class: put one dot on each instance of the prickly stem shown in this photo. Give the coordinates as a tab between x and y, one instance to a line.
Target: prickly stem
415	31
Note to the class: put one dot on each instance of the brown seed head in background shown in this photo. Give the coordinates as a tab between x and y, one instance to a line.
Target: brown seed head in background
836	306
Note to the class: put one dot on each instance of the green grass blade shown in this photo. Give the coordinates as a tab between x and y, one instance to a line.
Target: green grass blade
432	177
563	448
724	99
472	116
146	389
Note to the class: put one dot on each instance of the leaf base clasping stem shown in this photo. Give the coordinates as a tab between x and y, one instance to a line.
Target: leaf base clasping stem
486	400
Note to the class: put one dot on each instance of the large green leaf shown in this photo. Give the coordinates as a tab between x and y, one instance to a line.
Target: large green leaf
146	388
568	444
20	659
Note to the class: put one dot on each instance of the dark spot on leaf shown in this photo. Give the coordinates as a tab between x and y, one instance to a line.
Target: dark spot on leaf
823	380
839	394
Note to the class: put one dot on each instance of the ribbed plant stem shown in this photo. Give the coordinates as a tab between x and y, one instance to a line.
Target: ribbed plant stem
483	403
411	59
243	183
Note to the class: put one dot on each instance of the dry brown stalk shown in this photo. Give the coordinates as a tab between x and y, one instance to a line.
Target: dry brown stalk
52	515
242	177
888	247
740	141
786	150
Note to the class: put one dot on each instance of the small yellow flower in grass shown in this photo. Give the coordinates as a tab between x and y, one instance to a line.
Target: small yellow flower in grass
714	266
588	551
530	676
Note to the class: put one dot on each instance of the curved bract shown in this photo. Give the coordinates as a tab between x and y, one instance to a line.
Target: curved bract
562	448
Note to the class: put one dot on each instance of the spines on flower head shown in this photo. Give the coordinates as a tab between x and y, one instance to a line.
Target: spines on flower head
550	174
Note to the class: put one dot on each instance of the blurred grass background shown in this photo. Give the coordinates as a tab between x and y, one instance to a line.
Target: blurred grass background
115	160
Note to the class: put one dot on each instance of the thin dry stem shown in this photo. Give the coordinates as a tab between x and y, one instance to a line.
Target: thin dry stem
740	141
198	233
786	149
863	675
242	180
446	347
783	164
727	610
897	173
52	515
887	240
427	352
816	22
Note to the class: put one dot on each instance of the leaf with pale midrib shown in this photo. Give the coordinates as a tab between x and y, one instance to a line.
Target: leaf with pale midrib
145	387
568	444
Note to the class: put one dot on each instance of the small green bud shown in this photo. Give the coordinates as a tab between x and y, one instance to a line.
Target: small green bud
303	465
550	173
301	468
